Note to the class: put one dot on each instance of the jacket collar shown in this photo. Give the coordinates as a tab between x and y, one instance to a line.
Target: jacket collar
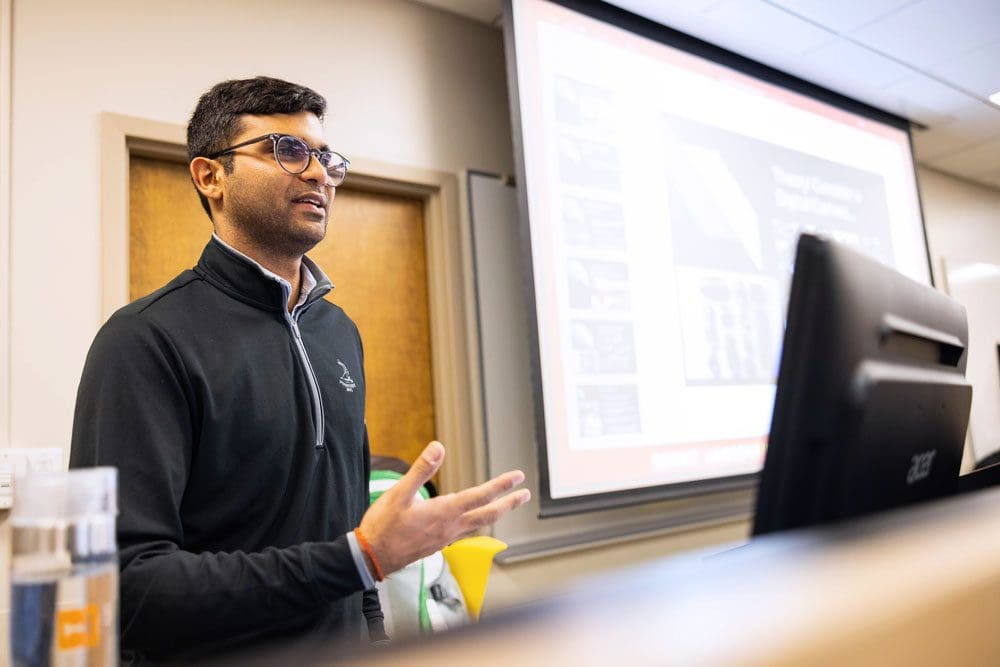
244	279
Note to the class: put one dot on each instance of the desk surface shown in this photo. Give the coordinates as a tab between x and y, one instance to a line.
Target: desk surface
919	586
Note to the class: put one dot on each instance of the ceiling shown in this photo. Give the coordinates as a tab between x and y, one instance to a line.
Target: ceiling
934	62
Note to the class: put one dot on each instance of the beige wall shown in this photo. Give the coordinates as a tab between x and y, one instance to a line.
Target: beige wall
407	85
963	226
5	108
962	219
5	58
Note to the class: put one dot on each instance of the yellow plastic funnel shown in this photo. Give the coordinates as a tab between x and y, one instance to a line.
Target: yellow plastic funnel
470	559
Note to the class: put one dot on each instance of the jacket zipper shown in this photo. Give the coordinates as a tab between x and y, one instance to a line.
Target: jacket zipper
313	383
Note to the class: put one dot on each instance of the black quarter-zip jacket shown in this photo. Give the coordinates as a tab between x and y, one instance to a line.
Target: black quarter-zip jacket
239	436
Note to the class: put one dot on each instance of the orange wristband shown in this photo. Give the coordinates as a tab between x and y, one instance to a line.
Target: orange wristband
367	548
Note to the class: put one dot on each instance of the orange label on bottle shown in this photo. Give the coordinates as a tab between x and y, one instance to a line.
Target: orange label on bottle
78	627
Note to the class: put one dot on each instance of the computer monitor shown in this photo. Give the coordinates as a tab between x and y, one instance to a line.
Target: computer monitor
872	403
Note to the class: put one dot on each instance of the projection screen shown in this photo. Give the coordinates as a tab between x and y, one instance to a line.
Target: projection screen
664	183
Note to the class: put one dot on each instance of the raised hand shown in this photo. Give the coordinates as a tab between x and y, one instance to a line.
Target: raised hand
400	529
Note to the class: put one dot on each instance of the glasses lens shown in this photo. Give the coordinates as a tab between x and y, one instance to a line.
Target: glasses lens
336	166
292	154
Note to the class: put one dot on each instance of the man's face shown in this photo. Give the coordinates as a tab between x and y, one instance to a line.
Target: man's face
274	210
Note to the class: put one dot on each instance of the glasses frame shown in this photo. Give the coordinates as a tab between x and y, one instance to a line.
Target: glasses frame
275	137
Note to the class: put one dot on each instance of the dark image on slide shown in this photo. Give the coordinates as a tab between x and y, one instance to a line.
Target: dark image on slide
734	201
589	164
730	327
593	223
583	106
603	346
598	285
608	410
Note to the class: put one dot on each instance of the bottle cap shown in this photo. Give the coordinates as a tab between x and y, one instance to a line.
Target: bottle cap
73	495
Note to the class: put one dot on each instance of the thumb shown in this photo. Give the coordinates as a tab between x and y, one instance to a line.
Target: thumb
428	463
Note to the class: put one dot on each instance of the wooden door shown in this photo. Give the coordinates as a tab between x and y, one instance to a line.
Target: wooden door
374	253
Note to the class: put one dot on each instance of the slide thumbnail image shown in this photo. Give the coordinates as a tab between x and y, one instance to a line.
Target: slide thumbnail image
603	346
588	164
608	410
598	285
593	223
731	327
583	106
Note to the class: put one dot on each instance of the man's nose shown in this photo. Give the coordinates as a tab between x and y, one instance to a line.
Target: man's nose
315	172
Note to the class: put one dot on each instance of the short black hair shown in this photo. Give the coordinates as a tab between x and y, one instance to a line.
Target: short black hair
215	122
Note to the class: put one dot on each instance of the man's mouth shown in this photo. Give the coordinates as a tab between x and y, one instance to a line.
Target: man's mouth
314	199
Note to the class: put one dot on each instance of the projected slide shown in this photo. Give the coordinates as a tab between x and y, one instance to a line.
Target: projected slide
665	195
737	206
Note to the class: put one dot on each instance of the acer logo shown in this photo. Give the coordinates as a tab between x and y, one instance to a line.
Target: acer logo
920	466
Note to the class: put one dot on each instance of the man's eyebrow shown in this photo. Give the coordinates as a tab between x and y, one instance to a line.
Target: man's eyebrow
322	147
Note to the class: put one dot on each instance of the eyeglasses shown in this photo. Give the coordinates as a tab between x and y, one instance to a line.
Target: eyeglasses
292	154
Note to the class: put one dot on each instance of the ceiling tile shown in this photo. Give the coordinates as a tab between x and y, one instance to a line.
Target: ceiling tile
922	99
933	31
842	16
941	57
978	122
980	160
483	11
929	144
990	182
683	15
761	30
993	176
838	63
976	71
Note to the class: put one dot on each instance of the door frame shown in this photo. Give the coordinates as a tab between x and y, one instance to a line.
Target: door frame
457	406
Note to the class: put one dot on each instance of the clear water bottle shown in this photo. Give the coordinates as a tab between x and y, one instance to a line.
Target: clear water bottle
64	579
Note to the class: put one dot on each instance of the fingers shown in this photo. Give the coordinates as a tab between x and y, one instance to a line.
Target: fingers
492	512
400	530
422	470
477	496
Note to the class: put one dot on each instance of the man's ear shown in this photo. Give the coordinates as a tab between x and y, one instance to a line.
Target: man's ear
207	176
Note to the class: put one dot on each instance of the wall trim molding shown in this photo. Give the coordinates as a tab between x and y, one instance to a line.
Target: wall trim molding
121	136
448	273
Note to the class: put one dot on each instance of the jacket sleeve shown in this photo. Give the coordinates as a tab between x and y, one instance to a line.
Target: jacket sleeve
133	412
371	606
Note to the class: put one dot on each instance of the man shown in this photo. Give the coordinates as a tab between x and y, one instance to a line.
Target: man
232	403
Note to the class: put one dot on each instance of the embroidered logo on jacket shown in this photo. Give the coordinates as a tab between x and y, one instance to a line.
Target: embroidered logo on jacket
346	381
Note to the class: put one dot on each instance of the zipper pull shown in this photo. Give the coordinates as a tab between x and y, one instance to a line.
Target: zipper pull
295	329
